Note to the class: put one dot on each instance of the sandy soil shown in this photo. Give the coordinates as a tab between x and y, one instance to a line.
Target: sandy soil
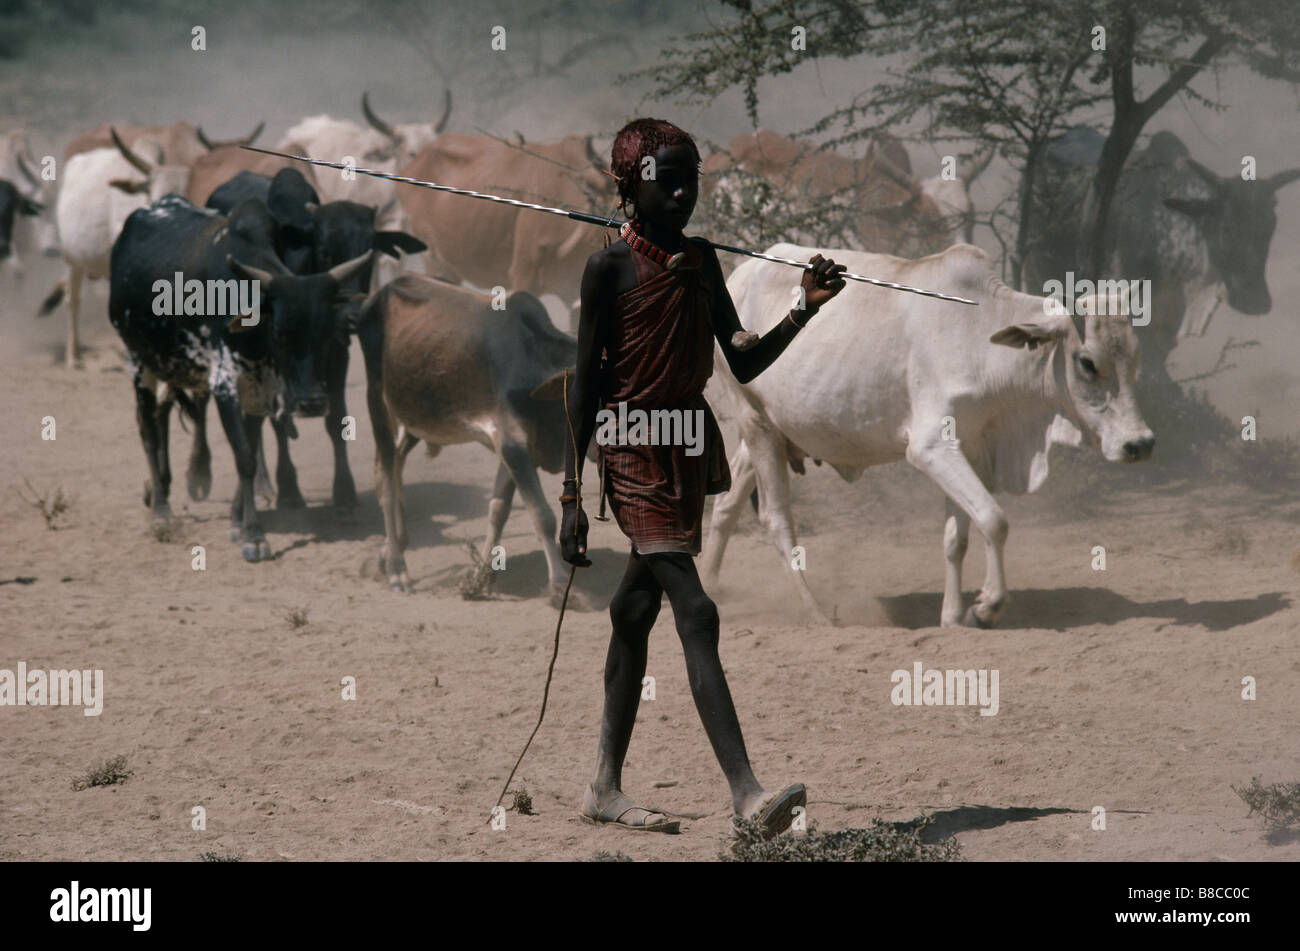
1119	689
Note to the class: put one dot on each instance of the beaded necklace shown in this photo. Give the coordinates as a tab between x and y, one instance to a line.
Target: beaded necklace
640	244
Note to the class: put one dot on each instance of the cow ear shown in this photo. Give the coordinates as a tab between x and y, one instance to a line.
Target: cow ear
1195	207
553	389
128	186
390	242
1028	335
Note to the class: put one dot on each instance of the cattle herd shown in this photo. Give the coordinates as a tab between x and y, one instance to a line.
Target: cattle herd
182	226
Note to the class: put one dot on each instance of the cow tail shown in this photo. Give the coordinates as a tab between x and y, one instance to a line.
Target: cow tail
53	298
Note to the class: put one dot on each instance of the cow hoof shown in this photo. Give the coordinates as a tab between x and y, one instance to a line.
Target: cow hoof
290	501
973	619
148	493
198	484
257	550
400	583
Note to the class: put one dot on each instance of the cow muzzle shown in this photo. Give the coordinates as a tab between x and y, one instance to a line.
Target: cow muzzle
311	407
1136	450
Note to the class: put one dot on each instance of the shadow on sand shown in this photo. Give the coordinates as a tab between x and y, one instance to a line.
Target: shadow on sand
1062	609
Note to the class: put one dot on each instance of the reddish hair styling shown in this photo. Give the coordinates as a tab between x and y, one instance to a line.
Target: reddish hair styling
636	140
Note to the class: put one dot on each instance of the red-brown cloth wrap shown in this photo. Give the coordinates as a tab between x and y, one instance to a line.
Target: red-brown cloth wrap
660	356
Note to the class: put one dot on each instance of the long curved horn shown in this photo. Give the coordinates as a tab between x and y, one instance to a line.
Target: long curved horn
341	272
592	154
203	138
1282	178
1207	176
379	124
446	112
27	172
250	273
140	164
227	143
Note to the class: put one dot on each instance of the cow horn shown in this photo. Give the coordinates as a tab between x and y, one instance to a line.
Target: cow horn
140	164
224	143
27	172
446	112
341	272
1204	174
1283	178
591	153
978	163
379	124
250	273
877	158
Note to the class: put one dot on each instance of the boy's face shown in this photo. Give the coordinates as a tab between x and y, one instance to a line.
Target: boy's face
667	200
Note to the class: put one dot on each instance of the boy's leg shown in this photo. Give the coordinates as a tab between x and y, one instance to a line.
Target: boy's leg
633	611
697	626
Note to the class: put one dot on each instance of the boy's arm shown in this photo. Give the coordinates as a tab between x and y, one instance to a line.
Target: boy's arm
584	393
747	364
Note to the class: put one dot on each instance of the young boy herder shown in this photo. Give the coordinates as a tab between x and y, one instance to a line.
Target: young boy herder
654	302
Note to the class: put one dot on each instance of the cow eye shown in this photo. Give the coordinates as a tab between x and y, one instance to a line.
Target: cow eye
1088	366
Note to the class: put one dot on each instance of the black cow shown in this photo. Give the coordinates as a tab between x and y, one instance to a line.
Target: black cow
246	368
311	238
1196	236
13	203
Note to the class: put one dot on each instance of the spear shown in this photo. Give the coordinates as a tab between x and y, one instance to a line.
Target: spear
601	220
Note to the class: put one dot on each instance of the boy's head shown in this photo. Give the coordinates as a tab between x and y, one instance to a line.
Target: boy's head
670	147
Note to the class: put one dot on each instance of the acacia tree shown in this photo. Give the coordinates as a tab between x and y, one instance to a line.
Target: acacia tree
1015	73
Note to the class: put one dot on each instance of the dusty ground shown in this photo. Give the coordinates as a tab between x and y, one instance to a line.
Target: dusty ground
1120	689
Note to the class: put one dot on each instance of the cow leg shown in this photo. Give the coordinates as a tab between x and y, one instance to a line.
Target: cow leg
244	521
198	476
262	481
73	349
514	456
287	494
769	459
390	459
956	532
336	375
147	414
726	509
943	462
503	495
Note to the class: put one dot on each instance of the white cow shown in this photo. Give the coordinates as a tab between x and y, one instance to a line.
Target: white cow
383	147
100	189
32	234
952	195
974	397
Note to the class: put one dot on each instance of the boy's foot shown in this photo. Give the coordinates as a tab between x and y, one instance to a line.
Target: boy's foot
621	811
776	812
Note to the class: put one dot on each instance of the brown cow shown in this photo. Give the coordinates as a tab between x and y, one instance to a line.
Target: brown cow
182	143
445	366
213	169
895	217
492	245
